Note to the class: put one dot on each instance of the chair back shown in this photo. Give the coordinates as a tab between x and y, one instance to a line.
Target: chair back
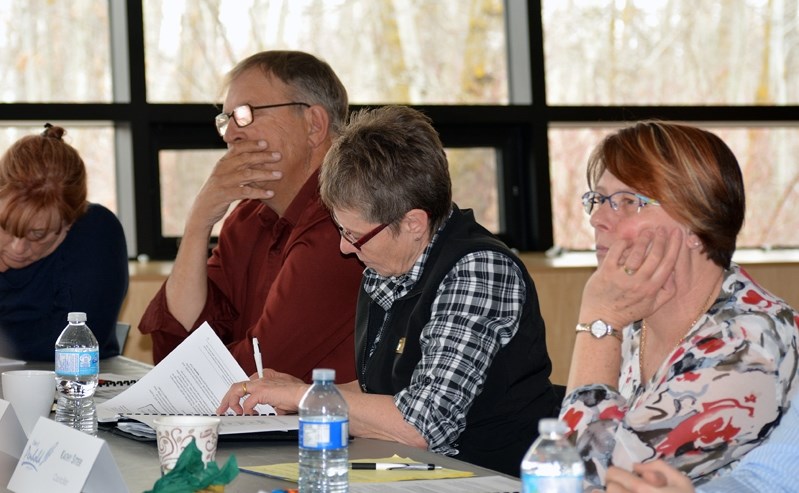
122	335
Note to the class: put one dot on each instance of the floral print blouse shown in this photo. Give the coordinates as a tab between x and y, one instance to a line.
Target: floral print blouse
718	394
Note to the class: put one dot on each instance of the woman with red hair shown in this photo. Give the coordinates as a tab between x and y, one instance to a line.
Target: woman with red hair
679	355
58	252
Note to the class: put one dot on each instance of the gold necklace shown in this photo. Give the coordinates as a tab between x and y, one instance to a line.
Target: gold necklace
682	339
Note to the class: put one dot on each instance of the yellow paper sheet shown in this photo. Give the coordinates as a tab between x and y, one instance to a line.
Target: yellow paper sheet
290	472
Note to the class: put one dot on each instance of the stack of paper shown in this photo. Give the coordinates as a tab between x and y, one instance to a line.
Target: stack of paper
191	380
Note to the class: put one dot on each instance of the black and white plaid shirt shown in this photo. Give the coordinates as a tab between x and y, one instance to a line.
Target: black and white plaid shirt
475	313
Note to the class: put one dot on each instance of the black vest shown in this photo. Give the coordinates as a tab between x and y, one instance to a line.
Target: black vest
503	419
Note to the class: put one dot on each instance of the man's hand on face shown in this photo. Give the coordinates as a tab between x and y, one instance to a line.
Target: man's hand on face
246	171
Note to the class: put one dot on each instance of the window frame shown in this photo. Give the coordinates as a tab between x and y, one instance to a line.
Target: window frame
518	131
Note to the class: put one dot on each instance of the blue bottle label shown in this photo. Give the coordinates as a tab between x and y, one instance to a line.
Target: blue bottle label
540	484
323	435
77	361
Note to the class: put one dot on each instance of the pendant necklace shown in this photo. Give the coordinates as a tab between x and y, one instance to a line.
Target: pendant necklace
682	339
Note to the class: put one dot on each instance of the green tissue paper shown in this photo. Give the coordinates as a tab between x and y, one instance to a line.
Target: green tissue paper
191	475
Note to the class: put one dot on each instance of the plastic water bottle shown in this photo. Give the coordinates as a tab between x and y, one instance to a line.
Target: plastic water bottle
552	464
323	436
77	363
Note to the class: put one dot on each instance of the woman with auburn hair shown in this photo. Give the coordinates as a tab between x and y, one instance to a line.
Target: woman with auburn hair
58	252
679	354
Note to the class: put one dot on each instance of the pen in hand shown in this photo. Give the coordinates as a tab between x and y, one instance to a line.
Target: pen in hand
259	364
388	466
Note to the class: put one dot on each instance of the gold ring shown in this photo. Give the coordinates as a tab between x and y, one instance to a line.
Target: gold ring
244	388
629	271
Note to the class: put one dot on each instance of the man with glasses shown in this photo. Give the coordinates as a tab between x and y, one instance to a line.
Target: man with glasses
276	274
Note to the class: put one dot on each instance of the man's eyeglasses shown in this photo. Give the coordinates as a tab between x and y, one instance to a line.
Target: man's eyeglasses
242	115
627	203
358	242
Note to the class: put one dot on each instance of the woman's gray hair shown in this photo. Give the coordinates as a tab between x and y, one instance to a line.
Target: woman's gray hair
386	162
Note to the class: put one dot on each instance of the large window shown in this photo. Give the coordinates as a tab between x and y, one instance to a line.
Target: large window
520	90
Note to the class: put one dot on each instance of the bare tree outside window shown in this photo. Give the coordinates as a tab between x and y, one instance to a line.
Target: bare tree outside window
385	51
54	51
673	52
58	52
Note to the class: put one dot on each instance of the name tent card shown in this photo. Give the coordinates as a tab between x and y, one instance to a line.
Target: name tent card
11	430
60	459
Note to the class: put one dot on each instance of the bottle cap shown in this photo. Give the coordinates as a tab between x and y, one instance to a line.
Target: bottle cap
76	317
548	426
324	374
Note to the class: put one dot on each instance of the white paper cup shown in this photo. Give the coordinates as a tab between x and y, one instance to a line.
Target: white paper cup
31	394
174	433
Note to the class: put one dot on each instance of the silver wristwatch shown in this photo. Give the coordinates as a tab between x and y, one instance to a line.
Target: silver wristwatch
599	329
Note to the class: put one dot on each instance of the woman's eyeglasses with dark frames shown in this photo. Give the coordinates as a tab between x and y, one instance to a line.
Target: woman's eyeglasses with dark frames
359	242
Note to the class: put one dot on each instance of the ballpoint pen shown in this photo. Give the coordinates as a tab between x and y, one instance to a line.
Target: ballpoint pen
259	364
388	466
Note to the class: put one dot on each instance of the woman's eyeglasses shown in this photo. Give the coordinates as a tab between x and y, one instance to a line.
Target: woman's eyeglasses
626	203
358	242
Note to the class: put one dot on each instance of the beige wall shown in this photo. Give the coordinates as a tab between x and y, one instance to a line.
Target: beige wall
559	289
145	280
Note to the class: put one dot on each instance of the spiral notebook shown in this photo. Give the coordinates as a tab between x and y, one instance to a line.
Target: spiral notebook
110	385
141	427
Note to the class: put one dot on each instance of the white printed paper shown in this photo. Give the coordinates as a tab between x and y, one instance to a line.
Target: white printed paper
191	380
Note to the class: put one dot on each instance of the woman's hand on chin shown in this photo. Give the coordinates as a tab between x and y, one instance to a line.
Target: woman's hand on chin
634	280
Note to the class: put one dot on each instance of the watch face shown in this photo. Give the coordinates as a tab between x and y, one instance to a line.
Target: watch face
599	329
